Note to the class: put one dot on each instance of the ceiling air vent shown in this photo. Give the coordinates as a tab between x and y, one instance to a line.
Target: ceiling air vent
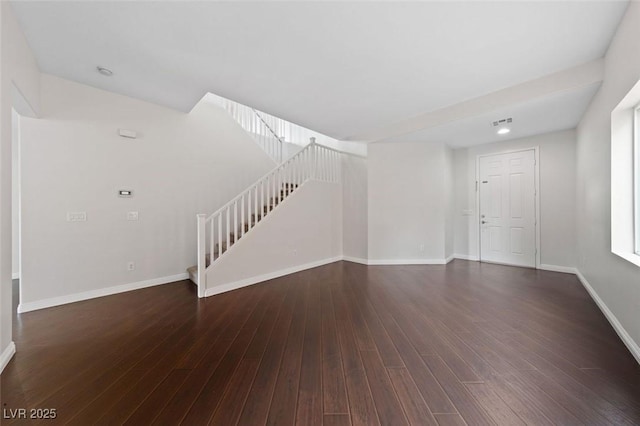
501	122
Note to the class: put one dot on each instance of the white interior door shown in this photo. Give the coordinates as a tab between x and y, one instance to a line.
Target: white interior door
508	209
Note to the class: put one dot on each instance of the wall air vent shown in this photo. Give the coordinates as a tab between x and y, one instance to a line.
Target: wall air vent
501	122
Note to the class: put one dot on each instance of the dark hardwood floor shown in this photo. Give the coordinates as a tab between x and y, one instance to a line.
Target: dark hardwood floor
466	343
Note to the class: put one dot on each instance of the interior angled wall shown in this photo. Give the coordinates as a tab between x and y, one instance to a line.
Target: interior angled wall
15	194
355	208
449	196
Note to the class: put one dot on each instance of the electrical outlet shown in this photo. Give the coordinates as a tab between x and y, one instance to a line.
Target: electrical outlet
421	247
132	215
131	266
295	252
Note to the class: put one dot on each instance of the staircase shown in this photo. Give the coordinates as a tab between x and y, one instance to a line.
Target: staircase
221	247
219	232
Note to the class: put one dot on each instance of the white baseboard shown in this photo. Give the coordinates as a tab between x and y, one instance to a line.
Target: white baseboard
398	261
543	266
556	268
466	257
7	354
223	288
15	276
355	260
626	338
407	261
77	297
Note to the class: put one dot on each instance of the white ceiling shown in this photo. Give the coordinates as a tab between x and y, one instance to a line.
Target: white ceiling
559	111
338	68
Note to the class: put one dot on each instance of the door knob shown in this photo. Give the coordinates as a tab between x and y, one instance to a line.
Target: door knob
484	221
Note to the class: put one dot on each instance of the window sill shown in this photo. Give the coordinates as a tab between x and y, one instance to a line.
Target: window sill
628	256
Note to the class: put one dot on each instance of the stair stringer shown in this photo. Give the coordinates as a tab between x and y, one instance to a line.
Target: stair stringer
305	231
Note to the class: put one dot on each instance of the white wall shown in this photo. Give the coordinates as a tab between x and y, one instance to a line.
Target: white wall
557	195
407	202
305	229
15	193
18	75
615	280
449	231
463	200
74	161
355	208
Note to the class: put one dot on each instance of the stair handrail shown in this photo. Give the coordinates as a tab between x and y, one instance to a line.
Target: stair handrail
267	126
254	124
278	138
339	151
269	173
275	169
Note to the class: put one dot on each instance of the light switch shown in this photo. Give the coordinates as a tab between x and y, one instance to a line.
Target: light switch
76	216
132	215
467	212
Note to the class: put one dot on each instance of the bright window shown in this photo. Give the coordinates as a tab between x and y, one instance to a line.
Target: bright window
625	177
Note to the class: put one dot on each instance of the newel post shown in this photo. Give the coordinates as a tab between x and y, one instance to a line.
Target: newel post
202	253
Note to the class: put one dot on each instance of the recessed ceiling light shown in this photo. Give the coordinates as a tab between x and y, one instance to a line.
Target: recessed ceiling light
104	71
504	131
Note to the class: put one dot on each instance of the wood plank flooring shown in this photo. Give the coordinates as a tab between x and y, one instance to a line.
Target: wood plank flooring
343	344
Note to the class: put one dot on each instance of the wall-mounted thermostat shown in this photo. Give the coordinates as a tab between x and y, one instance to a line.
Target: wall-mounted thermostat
125	193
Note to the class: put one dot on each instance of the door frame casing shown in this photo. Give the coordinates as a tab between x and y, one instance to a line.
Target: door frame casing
536	180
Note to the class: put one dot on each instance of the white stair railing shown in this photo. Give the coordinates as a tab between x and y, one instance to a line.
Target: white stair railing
271	142
219	231
254	124
270	132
